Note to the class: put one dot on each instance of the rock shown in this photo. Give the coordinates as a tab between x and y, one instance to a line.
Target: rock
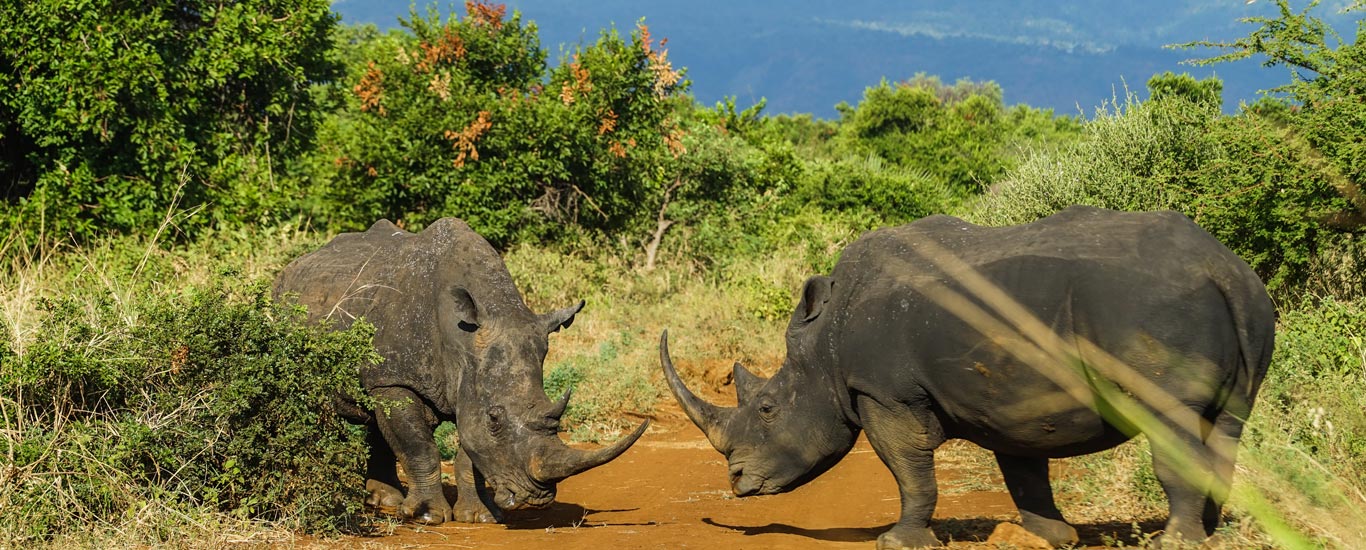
1010	535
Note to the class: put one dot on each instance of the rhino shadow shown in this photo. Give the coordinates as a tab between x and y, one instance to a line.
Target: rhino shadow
560	515
828	534
955	529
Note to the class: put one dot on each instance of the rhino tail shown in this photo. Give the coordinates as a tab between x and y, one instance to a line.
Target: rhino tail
1254	319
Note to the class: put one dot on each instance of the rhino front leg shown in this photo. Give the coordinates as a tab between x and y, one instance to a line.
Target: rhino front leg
905	439
473	503
406	423
381	471
1027	479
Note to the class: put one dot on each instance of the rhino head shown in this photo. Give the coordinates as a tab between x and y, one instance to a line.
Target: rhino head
786	430
506	424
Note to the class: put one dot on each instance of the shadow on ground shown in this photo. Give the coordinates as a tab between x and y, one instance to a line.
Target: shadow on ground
561	515
955	529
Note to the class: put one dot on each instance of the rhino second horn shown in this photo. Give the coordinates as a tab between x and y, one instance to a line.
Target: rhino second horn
559	461
710	418
746	383
557	410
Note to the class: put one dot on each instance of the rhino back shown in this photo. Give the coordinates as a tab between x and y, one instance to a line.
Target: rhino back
1153	289
400	282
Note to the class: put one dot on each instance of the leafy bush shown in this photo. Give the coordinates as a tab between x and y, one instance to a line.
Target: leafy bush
206	400
1309	426
953	132
461	117
1256	184
602	387
891	192
112	113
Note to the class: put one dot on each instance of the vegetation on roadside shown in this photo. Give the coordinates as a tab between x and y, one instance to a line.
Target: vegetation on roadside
158	176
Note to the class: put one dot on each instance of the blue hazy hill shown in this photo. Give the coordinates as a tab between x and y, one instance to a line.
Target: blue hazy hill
807	55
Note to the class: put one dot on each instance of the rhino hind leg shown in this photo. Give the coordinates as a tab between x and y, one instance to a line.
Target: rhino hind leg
905	439
1186	472
381	471
473	503
1027	480
406	424
1223	443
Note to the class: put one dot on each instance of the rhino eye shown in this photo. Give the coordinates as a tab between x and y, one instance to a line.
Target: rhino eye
495	415
766	410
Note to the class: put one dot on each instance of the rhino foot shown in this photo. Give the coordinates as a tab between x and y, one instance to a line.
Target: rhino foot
1057	533
902	538
476	513
382	494
431	511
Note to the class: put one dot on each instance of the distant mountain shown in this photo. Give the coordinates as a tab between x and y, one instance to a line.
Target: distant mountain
806	56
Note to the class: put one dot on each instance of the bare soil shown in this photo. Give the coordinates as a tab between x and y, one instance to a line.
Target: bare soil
670	491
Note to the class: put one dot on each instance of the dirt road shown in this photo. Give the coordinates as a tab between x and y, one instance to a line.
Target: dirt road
670	491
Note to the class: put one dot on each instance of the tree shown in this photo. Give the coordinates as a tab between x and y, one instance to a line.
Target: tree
953	132
462	117
1320	127
112	113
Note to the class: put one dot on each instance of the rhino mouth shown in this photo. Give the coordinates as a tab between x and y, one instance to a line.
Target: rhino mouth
745	484
513	496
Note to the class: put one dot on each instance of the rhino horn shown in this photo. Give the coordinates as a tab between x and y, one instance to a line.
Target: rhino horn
746	383
559	461
710	418
557	409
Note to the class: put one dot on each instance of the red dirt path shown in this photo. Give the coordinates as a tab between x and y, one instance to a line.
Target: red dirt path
670	491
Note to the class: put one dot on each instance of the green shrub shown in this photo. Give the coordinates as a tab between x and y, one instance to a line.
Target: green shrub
869	184
1306	441
1251	180
953	132
462	117
209	400
113	113
602	387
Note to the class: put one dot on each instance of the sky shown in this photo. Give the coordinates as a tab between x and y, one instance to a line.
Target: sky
807	56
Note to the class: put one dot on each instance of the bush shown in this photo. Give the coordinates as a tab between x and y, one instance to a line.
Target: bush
112	113
1309	425
1254	182
955	133
208	400
462	117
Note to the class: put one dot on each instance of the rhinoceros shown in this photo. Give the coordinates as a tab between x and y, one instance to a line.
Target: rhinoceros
902	341
458	343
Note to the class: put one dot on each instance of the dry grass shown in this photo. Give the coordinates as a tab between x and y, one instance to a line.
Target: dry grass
714	318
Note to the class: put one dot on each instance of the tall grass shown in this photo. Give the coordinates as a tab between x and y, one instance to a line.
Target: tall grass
1303	448
156	396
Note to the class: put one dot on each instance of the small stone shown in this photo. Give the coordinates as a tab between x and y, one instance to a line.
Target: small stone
1010	535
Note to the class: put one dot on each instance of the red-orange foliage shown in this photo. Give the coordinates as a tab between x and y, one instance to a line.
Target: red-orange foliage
370	91
463	140
449	47
483	13
582	83
609	122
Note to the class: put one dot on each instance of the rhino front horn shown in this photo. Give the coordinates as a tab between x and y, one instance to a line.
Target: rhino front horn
561	461
710	418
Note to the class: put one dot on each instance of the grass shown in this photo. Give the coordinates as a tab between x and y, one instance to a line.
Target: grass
1304	449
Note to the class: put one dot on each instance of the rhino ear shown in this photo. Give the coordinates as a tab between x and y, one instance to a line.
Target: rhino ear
466	312
561	318
814	296
747	384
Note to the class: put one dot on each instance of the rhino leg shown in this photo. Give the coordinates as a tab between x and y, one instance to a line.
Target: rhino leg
381	471
1027	479
905	439
1223	444
406	423
1186	474
473	503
